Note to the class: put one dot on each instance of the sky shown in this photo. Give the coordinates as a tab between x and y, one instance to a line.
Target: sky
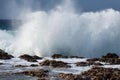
10	9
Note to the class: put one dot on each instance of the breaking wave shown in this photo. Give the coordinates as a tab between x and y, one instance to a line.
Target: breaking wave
64	31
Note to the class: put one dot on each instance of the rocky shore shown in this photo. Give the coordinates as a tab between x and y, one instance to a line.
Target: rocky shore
60	67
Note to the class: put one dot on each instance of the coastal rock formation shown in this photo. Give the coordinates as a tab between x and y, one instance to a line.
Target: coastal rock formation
40	73
54	64
100	73
96	73
5	55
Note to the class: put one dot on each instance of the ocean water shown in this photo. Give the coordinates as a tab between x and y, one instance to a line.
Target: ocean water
64	31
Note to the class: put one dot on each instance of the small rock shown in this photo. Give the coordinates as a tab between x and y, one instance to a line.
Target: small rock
1	63
21	66
76	57
33	65
82	64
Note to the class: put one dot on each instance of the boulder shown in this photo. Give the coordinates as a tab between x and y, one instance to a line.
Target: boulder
28	58
5	55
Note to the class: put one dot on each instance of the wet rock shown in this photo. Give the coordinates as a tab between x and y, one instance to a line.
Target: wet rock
57	56
93	59
40	73
98	64
21	66
72	77
4	55
54	64
100	73
82	64
76	57
1	63
28	58
111	55
33	65
96	73
37	57
110	60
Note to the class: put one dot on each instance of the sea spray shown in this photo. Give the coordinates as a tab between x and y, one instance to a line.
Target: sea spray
64	31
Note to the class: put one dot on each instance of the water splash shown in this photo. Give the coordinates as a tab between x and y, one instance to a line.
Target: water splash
61	30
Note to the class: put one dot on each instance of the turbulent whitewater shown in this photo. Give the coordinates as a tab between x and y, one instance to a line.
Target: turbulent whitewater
62	30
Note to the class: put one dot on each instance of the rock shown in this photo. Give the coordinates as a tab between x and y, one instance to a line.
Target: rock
71	76
28	58
21	66
4	55
33	65
54	64
1	63
100	73
111	55
40	73
37	57
96	73
110	60
58	56
82	64
93	59
98	64
76	57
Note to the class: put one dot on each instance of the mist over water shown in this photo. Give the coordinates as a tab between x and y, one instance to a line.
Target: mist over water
64	31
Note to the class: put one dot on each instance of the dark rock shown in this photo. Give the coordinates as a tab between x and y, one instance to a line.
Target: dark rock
98	64
76	57
21	66
58	56
82	64
37	57
110	60
28	58
33	65
93	59
111	55
54	64
4	55
1	63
